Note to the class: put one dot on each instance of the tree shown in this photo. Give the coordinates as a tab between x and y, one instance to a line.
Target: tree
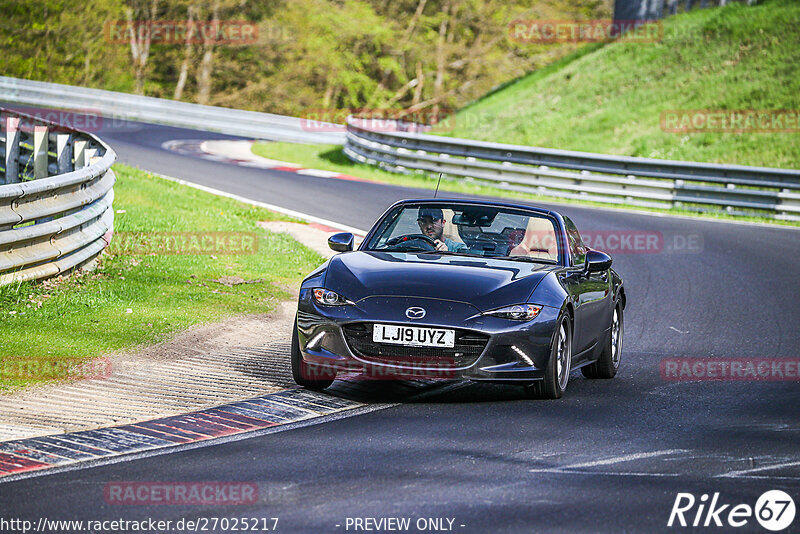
207	63
48	40
141	14
187	54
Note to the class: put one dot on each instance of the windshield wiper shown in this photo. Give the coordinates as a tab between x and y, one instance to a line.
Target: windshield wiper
527	259
387	249
448	253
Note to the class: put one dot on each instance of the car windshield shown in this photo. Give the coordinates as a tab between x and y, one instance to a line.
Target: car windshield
469	230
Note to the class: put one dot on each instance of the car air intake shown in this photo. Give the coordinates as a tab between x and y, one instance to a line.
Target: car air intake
468	347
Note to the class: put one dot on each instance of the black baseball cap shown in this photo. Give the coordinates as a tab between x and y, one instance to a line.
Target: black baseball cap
434	213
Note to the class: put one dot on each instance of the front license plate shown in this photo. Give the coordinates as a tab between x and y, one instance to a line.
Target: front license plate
414	336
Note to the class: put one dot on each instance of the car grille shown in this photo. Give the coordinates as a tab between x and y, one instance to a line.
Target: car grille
468	347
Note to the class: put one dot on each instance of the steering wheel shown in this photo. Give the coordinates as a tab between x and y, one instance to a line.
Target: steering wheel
409	238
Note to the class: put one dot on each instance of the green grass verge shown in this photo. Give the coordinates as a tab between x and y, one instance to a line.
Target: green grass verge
610	99
47	324
332	158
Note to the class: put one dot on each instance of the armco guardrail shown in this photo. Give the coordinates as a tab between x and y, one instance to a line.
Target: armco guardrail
737	189
55	198
161	111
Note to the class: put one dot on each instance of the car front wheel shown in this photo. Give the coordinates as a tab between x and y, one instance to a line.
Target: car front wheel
558	368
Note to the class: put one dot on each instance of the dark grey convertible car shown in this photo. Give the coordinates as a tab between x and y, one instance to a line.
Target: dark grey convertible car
455	288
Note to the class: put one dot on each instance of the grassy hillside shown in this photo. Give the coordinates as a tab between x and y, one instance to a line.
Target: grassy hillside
610	99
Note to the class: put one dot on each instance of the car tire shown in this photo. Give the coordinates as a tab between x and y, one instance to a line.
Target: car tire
558	367
608	363
301	370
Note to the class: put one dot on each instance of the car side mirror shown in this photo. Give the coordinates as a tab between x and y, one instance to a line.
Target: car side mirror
597	261
341	242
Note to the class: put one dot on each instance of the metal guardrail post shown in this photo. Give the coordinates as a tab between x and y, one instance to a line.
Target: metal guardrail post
64	152
79	147
89	155
12	150
40	138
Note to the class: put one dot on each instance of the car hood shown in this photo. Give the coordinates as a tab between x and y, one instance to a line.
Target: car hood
486	283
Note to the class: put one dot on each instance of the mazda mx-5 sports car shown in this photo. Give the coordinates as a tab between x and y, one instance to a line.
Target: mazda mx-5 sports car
461	289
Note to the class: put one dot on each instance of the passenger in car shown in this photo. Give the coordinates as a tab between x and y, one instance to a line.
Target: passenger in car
539	240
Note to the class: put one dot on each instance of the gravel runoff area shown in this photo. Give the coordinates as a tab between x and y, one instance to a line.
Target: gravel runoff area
207	365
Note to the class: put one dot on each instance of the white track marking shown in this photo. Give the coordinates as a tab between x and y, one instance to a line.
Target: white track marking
580	468
624	458
259	165
272	207
678	331
763	477
745	472
319	173
559	471
241	152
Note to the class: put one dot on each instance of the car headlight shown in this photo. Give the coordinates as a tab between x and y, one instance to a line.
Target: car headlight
517	312
328	297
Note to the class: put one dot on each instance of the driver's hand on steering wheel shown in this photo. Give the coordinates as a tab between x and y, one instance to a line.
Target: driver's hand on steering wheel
441	246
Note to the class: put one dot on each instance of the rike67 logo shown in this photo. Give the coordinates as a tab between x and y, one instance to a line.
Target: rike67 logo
774	511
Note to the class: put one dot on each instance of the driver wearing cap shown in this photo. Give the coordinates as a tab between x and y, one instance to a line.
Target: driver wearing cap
431	223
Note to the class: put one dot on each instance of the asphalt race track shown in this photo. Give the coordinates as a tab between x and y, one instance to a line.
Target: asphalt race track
611	456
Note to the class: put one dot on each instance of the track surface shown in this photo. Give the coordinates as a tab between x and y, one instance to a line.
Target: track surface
609	456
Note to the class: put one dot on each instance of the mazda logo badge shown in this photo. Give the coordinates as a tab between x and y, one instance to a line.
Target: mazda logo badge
415	312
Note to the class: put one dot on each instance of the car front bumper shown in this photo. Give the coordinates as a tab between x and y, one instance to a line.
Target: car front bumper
338	338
